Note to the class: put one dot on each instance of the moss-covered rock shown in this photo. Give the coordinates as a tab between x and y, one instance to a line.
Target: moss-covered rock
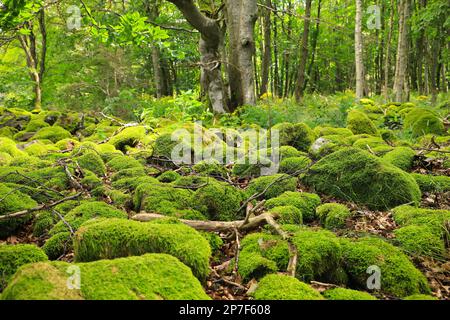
39	149
123	162
36	125
128	173
294	165
168	176
347	294
58	245
93	162
210	167
13	201
115	238
401	157
321	131
333	215
422	121
9	146
420	297
288	214
297	135
14	256
420	240
399	277
433	184
282	287
130	184
148	277
356	175
273	186
54	134
305	202
359	123
128	137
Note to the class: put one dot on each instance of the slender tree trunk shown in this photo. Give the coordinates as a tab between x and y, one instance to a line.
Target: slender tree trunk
276	71
387	56
314	39
267	54
359	63
304	50
401	68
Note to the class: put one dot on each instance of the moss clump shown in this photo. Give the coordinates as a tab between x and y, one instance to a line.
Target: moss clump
43	222
355	175
421	122
347	294
433	184
276	185
399	277
93	162
119	198
14	256
148	277
35	125
168	176
129	184
39	149
215	242
123	162
218	201
210	167
282	287
420	297
333	215
128	173
128	137
58	245
359	123
305	202
330	131
54	134
9	146
115	238
86	211
297	135
5	159
294	165
401	157
90	180
288	214
13	201
369	143
67	144
251	166
420	240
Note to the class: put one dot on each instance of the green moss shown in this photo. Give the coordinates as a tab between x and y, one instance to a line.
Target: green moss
123	162
359	123
86	211
355	175
8	132
399	277
58	245
70	121
53	134
369	143
251	166
420	297
67	144
288	214
13	201
210	167
119	198
132	183
401	157
90	180
293	165
93	162
305	202
435	219
420	241
169	176
275	185
147	277
5	159
9	146
53	177
36	125
282	287
43	222
333	215
115	238
433	184
128	173
38	149
215	242
297	135
218	201
128	137
14	256
421	122
347	294
330	131
289	152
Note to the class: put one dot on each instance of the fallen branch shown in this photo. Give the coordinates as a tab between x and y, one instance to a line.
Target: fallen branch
38	208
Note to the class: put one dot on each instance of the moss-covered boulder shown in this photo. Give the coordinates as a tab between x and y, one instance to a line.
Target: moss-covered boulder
347	294
333	215
433	184
127	137
294	165
356	175
422	121
399	277
297	135
305	202
401	157
14	256
54	134
113	238
287	214
122	162
168	176
282	287
422	297
359	123
92	161
272	186
9	146
147	277
13	201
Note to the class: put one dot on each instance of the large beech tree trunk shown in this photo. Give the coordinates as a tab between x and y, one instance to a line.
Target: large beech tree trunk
359	51
402	52
241	19
209	47
267	54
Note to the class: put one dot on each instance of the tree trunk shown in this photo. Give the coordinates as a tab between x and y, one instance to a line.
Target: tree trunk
209	48
267	54
304	50
401	67
315	37
387	56
359	63
241	19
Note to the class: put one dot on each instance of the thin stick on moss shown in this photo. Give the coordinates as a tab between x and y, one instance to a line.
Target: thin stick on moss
59	215
38	208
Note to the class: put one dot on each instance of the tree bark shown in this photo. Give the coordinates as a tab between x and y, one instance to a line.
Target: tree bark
387	56
359	63
304	50
267	54
315	37
401	67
